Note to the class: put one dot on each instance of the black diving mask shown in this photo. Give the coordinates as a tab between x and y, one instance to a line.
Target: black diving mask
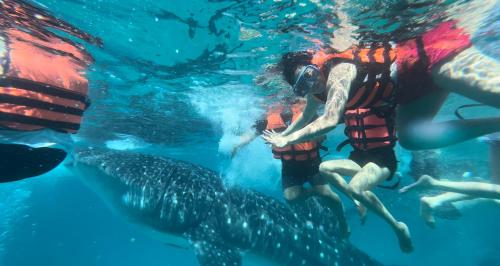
308	78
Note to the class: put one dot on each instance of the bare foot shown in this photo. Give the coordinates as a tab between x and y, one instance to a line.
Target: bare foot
404	237
426	212
423	182
362	213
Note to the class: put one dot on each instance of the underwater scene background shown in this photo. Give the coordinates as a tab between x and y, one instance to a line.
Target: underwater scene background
183	79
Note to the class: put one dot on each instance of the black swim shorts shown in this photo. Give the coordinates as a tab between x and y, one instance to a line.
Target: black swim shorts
296	173
383	157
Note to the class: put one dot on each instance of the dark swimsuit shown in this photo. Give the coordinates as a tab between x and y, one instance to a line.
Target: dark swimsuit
21	161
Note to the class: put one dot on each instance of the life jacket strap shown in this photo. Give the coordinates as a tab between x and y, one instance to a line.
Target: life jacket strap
457	113
43	88
342	144
40	105
54	125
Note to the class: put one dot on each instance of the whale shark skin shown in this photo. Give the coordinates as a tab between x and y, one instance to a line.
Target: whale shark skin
188	206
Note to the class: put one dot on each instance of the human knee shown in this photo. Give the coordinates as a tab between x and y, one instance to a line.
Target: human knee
356	189
371	168
292	196
325	167
325	191
369	194
427	201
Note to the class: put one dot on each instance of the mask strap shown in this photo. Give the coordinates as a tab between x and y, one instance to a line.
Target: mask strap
301	74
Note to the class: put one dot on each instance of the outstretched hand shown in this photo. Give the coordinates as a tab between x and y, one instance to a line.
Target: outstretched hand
274	138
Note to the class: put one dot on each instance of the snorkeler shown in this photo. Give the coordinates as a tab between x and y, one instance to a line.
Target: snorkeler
457	191
372	135
43	90
371	132
416	75
300	162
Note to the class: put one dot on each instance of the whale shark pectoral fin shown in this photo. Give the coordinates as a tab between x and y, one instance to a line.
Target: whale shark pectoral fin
176	246
210	249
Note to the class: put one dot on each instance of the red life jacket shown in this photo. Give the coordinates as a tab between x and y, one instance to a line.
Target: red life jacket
297	152
42	82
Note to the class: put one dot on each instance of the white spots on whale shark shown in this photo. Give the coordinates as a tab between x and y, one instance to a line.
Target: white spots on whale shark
142	199
231	220
309	225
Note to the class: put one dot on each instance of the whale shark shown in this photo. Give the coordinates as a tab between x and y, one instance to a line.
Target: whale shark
189	206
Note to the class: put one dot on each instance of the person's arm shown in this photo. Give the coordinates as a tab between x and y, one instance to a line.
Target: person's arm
305	117
338	85
249	136
243	141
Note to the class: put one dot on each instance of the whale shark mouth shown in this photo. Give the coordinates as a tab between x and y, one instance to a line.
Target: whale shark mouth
89	156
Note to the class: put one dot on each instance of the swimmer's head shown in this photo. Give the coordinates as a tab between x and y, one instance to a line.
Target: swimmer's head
299	72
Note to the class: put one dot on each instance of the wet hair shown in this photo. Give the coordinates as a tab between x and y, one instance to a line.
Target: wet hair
290	61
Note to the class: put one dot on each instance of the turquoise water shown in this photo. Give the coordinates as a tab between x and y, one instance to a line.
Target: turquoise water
183	79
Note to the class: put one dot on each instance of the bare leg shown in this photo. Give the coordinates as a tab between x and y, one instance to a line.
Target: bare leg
296	194
494	159
334	204
369	176
417	131
428	135
335	170
471	74
473	189
428	205
471	14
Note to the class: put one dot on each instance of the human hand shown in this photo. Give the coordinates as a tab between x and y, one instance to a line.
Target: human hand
274	138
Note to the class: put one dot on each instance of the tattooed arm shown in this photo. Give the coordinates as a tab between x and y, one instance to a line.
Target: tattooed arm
338	86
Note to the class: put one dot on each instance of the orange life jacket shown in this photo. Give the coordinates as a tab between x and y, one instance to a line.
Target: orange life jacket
42	82
297	152
369	128
369	112
373	85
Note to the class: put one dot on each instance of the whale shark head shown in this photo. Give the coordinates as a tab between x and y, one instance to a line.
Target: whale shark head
164	193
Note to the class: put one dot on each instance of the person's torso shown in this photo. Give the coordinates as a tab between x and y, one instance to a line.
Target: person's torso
42	83
278	119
